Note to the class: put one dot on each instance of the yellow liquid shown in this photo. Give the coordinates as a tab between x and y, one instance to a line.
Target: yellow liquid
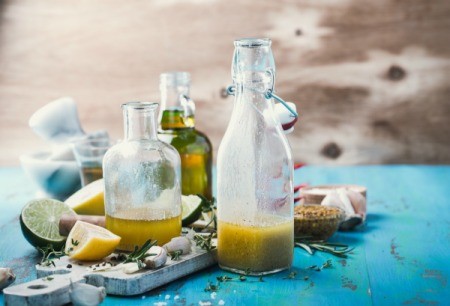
256	249
135	232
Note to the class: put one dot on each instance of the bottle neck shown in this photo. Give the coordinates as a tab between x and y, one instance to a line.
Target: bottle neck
250	94
140	121
177	109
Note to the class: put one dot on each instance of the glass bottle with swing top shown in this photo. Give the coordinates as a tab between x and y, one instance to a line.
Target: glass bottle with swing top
254	171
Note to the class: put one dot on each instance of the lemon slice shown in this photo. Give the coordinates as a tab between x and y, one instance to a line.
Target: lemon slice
191	209
90	242
89	200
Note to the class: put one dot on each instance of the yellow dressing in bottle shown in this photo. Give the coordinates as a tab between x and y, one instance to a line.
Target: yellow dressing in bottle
134	231
256	247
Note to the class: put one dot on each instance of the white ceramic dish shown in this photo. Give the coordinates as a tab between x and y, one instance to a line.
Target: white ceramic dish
56	179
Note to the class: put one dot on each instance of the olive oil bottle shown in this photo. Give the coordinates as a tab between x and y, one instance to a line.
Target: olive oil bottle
177	127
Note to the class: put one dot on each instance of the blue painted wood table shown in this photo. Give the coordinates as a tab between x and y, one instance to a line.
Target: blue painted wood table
401	256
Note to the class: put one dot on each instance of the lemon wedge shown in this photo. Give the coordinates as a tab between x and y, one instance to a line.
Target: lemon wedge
89	200
88	242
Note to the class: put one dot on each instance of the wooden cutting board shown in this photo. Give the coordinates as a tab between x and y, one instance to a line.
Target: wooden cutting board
52	285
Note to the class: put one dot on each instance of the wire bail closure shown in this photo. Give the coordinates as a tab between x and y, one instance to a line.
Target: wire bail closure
268	94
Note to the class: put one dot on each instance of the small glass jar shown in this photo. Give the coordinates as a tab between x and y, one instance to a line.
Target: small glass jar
254	171
142	182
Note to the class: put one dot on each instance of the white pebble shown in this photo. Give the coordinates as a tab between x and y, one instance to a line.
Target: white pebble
213	295
207	303
176	297
160	304
221	302
167	297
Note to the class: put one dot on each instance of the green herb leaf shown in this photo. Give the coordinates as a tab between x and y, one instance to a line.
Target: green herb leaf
336	249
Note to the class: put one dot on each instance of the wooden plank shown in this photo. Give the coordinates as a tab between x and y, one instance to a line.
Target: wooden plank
53	283
370	79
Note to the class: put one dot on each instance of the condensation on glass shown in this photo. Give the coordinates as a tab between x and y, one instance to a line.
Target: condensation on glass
254	171
142	181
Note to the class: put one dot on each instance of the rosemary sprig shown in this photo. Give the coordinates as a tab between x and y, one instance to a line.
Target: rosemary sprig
310	246
49	254
140	253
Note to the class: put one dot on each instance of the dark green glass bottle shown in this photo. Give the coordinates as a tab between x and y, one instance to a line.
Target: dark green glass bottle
177	127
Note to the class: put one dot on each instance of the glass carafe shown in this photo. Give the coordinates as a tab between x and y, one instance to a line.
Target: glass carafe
142	182
177	127
254	171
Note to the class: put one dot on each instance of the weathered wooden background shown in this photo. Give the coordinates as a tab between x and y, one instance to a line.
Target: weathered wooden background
370	78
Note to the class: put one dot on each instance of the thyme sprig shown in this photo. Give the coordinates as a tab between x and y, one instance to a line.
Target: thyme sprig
49	254
310	246
209	206
205	241
175	255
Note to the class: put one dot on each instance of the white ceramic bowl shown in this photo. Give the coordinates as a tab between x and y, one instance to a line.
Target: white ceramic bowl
57	179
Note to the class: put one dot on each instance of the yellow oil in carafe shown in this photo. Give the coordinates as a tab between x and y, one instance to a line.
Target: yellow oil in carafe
138	225
266	246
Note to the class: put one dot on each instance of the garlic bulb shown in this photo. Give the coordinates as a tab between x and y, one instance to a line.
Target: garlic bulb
181	243
351	203
359	203
86	295
7	277
155	261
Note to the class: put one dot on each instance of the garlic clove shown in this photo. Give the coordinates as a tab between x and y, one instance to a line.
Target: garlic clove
7	277
86	295
130	267
181	243
155	261
358	202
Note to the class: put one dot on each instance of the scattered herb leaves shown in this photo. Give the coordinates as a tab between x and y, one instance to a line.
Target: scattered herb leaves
326	265
291	275
210	287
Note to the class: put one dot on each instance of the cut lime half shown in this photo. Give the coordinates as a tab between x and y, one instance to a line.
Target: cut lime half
191	209
39	221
